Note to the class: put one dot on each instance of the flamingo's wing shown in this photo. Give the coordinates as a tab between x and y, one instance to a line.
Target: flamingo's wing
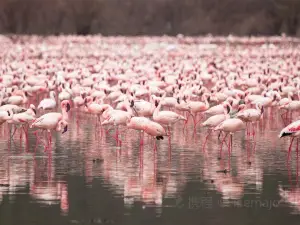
294	127
38	120
290	129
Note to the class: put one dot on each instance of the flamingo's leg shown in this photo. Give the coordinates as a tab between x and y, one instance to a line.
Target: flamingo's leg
219	134
230	145
155	147
206	139
12	136
290	148
49	138
187	120
201	117
297	149
141	138
26	137
282	116
253	130
222	145
117	135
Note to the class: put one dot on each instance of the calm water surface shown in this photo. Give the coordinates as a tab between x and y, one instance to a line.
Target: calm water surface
86	179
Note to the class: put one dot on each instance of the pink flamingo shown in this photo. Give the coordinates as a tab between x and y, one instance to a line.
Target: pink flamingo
17	99
198	107
23	119
250	116
48	103
5	116
230	126
117	118
215	120
155	130
292	130
291	106
138	123
51	121
167	118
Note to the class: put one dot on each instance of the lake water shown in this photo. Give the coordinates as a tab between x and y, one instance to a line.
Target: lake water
86	179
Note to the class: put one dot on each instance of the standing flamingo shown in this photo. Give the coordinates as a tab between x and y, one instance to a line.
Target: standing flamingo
155	130
138	123
48	103
117	118
230	126
292	130
167	118
250	116
23	119
215	120
53	121
198	107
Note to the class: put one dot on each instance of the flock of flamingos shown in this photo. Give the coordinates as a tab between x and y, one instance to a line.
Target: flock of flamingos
148	85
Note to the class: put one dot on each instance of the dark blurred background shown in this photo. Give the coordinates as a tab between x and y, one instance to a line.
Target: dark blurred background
150	17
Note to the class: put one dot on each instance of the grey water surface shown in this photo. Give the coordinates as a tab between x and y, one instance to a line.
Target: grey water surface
85	179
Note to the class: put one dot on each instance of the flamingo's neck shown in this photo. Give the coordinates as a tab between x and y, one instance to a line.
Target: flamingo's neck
65	115
58	128
128	108
156	111
206	102
52	96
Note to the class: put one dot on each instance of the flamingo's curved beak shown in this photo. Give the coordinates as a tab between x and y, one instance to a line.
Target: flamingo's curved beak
34	111
65	129
68	107
132	104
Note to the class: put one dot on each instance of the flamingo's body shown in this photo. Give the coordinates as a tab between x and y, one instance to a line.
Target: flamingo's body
154	129
166	117
292	130
53	121
48	103
231	125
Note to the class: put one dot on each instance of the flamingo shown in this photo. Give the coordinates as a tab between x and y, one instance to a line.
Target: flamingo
167	118
5	116
13	108
48	103
53	121
215	120
155	130
137	123
17	99
117	118
230	126
292	130
65	94
250	116
22	119
196	107
142	107
292	105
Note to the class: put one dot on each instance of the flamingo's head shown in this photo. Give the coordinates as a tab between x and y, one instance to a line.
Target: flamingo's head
66	104
241	107
131	103
65	129
88	100
32	107
226	106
